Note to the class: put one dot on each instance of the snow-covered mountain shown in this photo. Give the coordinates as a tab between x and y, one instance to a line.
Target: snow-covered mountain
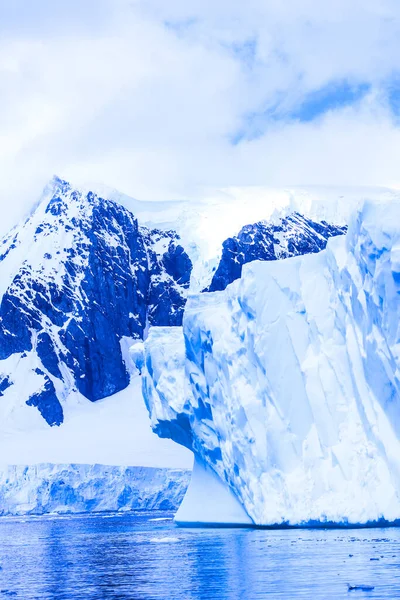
81	280
289	236
286	385
84	279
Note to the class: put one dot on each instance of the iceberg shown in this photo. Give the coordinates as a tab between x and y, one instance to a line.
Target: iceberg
285	385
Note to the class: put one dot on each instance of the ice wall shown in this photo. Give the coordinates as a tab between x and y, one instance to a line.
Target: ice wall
286	384
45	488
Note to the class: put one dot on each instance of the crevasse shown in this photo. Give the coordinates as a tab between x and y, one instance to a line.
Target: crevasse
286	384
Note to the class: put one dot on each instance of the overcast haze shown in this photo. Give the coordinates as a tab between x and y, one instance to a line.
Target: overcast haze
161	99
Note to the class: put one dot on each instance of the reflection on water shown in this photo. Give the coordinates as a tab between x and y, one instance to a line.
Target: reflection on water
138	558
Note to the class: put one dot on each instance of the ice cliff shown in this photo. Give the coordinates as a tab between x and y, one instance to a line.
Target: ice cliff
80	488
286	384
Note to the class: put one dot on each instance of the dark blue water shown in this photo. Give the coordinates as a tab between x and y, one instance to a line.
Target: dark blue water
138	558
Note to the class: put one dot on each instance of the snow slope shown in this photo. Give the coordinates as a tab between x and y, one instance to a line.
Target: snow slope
112	431
288	381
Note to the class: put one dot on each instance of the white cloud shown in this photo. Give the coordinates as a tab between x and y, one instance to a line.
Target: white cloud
145	96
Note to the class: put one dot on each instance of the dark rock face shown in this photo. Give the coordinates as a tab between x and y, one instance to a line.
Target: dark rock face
47	402
292	236
92	277
5	383
169	269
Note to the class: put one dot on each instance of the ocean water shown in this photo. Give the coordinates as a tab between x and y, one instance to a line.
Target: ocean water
146	557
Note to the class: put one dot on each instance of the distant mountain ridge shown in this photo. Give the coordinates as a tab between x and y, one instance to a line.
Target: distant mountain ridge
291	236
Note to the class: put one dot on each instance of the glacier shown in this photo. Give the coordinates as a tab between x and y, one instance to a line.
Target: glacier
81	488
285	385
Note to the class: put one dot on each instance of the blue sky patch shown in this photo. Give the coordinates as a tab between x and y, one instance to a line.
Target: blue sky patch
331	97
334	96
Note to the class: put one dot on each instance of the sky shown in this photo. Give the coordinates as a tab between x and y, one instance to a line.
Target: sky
163	99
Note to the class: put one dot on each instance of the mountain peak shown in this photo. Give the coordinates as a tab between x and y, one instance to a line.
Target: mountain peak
81	277
57	183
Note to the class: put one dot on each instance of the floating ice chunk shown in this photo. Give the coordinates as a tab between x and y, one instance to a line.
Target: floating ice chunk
208	500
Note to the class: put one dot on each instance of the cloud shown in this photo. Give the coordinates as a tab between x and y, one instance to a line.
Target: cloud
162	99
